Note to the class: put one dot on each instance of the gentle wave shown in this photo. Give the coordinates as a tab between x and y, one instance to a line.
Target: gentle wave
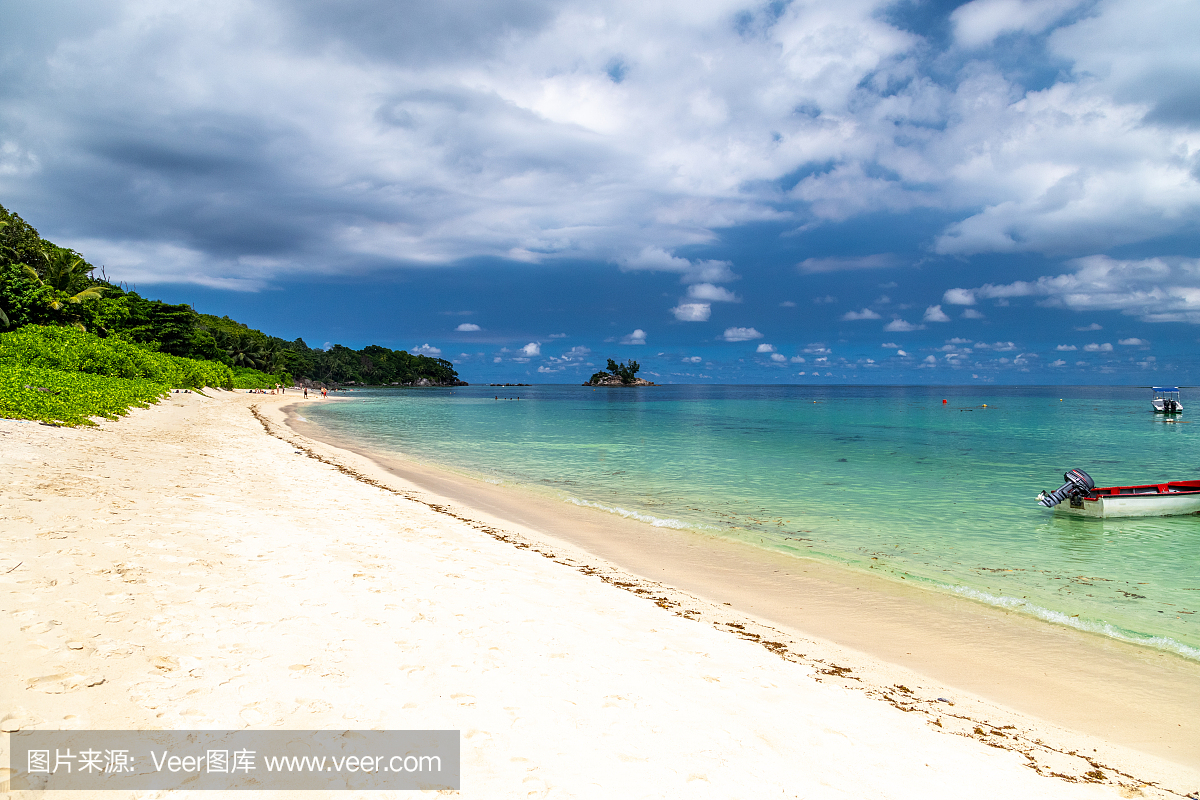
622	512
1091	626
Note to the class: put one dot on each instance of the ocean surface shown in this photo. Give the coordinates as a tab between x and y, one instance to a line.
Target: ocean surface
886	479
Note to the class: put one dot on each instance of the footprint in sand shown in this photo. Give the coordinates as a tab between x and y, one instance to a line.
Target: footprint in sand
251	716
165	663
17	719
63	682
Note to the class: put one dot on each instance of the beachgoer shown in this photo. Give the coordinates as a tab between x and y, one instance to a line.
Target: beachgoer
305	392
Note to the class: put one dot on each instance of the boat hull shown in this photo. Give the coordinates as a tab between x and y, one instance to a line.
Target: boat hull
1148	505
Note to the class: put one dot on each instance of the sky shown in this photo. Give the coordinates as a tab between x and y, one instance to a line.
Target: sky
913	192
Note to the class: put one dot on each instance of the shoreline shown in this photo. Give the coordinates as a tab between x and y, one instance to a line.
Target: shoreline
1119	692
181	569
1123	579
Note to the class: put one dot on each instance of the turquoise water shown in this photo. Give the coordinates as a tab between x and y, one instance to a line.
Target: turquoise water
887	479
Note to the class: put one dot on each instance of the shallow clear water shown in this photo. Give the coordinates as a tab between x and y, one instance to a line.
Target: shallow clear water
887	479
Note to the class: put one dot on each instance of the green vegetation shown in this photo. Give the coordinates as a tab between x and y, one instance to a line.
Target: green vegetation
73	350
63	376
626	373
69	334
70	398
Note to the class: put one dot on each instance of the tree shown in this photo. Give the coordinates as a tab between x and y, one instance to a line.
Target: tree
626	371
68	275
19	241
242	351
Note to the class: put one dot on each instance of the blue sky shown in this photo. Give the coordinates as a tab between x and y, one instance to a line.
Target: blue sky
996	191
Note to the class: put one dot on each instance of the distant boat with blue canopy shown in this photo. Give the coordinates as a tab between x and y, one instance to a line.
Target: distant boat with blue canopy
1166	400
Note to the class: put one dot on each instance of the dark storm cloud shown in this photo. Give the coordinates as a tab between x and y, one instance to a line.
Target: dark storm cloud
413	32
218	183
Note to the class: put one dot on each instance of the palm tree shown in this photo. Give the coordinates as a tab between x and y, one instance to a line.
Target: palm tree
272	357
67	274
243	351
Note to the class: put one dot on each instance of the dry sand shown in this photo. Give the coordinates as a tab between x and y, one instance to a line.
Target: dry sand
184	569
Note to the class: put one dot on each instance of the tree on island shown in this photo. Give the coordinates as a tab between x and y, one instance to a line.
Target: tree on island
625	372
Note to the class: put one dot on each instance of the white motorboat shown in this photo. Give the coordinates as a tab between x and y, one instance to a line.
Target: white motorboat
1166	400
1084	499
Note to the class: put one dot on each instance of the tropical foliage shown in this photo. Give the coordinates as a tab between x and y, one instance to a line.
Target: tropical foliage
60	315
73	350
627	372
70	398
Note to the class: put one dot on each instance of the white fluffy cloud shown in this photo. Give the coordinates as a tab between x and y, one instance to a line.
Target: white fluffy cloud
692	312
900	326
637	337
959	297
765	348
532	349
656	259
979	22
1098	348
866	313
716	294
740	334
1152	289
468	327
1132	341
935	314
425	350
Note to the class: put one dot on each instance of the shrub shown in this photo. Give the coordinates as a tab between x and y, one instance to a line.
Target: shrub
70	398
247	378
72	350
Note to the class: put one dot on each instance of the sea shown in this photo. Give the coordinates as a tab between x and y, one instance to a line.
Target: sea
934	485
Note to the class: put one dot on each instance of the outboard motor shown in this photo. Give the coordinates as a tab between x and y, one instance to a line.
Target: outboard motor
1078	485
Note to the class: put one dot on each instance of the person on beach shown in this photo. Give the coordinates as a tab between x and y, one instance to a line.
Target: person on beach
305	392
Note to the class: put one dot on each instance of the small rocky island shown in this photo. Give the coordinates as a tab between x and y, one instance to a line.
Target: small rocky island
619	375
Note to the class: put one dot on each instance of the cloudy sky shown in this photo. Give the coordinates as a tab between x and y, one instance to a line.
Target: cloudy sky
923	191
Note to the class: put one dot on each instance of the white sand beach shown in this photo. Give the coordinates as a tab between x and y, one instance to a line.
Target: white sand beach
202	565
